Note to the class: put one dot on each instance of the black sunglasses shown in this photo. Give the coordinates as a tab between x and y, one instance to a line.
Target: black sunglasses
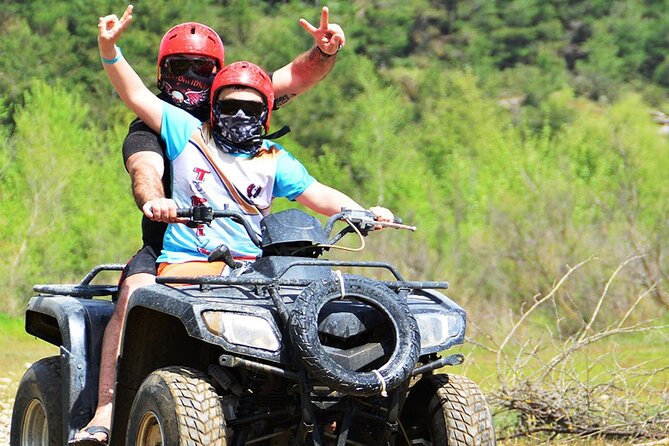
180	65
230	107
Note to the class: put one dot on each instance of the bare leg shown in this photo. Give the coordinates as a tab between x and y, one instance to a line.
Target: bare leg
111	345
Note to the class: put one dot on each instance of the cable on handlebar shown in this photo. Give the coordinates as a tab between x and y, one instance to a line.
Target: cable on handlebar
331	244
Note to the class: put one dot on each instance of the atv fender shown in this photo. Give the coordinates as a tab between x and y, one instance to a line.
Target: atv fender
76	326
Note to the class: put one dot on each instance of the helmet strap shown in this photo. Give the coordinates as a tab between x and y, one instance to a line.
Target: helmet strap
278	134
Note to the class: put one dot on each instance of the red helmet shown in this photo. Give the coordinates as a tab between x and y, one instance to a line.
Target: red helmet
191	38
244	74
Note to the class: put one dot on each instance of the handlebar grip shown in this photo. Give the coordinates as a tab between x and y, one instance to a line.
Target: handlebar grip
181	212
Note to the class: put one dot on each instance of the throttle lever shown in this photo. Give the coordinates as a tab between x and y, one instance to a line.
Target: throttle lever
197	215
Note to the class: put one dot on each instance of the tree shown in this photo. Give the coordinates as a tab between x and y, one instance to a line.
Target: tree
63	196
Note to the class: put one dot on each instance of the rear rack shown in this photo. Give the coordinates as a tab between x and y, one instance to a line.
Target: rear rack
84	288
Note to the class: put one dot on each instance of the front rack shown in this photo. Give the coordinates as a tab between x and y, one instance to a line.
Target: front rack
400	283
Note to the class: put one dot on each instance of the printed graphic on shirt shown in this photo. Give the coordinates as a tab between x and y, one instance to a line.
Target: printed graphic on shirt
201	240
196	184
253	191
242	177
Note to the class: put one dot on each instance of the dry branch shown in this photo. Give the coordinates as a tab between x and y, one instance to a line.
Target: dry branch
558	397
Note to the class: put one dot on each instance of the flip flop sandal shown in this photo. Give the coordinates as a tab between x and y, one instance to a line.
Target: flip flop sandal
91	441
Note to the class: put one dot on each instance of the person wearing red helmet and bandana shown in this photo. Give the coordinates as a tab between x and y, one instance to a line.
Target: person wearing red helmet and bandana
229	164
226	161
189	57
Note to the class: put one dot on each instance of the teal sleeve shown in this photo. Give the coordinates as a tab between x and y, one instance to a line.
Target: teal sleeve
291	178
176	129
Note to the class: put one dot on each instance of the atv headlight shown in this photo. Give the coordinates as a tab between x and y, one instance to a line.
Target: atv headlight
242	329
437	328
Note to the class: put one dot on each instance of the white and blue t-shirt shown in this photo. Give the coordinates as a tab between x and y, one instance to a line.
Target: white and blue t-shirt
203	173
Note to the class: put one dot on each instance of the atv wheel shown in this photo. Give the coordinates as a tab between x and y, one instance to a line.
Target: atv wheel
37	414
447	410
304	334
176	406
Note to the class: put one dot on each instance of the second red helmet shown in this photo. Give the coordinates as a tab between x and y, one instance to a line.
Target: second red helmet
245	74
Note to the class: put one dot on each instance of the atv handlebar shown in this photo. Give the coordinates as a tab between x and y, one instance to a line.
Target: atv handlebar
204	215
363	220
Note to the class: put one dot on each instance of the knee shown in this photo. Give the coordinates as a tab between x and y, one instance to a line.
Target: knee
131	284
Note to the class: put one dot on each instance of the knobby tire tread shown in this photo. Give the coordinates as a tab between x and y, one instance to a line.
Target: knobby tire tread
465	412
197	406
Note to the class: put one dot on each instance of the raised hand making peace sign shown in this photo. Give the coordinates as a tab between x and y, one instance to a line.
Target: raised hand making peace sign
110	28
329	37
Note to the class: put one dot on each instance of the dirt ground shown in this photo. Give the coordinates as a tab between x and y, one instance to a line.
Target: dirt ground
7	390
17	353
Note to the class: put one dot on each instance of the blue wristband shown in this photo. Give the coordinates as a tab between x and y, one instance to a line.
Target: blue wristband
119	54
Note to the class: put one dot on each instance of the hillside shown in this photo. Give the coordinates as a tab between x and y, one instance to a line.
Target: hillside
515	135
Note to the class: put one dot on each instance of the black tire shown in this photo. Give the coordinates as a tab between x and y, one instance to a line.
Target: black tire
303	326
447	410
176	406
37	413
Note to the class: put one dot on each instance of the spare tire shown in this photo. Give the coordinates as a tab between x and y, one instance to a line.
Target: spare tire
303	328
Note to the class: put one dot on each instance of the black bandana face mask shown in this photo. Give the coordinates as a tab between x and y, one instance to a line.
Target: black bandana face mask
187	92
238	133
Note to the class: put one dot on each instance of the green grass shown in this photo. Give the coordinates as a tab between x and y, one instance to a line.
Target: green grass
647	350
10	326
17	351
593	362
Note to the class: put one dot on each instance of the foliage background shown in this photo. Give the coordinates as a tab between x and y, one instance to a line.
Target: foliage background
514	133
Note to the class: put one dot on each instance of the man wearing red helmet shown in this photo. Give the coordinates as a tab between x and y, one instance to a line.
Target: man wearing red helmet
226	161
190	55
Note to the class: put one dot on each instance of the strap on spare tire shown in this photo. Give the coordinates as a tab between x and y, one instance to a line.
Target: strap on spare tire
303	329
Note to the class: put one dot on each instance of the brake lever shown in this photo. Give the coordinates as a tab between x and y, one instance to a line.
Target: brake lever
390	224
364	220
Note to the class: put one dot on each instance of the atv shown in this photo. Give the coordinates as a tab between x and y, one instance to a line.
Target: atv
285	350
